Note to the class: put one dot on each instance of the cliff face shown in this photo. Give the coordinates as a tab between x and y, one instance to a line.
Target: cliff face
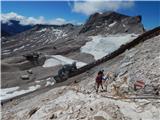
112	23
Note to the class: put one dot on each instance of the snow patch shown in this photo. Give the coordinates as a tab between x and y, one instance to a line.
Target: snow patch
124	25
6	53
112	24
37	81
42	30
49	83
6	50
61	60
8	90
100	46
18	48
59	33
8	93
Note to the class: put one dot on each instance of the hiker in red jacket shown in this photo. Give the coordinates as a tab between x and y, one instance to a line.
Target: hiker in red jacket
99	79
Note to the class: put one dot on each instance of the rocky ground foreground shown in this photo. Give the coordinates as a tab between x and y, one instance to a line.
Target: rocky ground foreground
118	100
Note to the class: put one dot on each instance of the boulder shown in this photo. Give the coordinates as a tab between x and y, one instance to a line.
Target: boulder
25	77
30	71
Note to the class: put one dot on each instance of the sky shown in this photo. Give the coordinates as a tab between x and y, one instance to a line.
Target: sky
77	12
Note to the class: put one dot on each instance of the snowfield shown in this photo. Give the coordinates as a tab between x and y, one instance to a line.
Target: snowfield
19	48
100	46
8	93
61	60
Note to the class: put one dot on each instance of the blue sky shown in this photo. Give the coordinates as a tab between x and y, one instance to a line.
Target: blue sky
78	12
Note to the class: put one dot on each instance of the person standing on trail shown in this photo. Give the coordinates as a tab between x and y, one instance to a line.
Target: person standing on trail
99	79
106	79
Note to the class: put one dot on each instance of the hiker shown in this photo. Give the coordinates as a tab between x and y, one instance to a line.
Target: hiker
105	80
99	79
106	77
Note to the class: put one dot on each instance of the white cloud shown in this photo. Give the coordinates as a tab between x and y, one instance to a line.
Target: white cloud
58	21
89	7
5	18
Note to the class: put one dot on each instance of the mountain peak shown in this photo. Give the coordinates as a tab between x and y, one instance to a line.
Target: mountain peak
106	22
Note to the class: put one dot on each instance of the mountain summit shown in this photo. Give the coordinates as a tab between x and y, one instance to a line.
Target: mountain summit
112	23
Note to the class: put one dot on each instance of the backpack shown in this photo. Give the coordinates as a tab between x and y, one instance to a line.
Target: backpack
99	78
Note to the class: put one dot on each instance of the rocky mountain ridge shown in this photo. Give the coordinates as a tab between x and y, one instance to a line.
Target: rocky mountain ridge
112	23
13	27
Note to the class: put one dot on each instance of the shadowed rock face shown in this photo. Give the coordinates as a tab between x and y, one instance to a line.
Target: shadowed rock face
4	33
112	22
13	27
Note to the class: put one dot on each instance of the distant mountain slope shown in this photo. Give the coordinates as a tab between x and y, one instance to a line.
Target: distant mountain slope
62	39
46	38
4	33
13	27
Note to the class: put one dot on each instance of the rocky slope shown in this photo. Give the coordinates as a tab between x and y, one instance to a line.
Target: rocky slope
80	101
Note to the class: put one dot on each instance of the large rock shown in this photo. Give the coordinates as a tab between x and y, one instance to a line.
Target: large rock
25	77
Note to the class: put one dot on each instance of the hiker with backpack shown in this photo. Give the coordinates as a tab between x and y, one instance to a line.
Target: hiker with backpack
99	79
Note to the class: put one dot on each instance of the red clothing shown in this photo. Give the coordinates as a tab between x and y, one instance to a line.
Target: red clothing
99	79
